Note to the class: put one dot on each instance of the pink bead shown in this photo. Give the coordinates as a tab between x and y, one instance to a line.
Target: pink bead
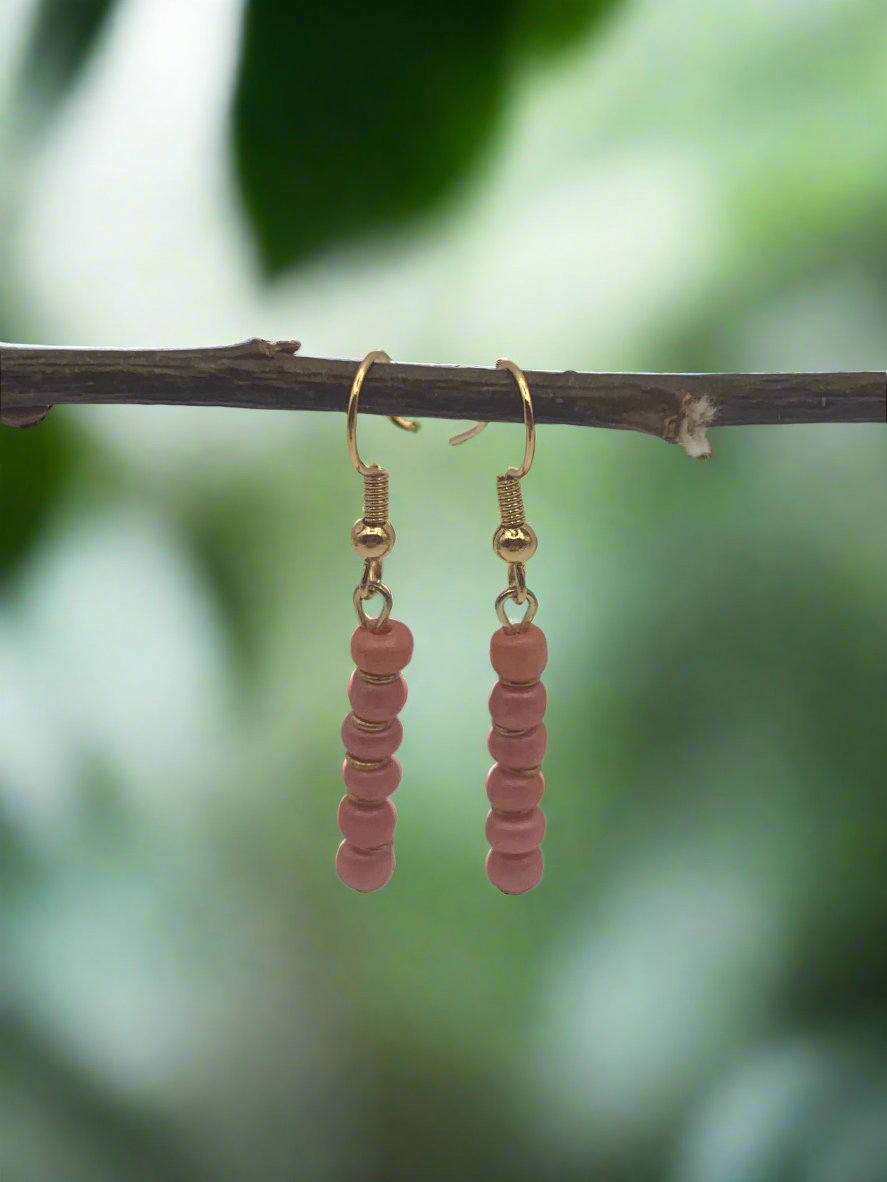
386	651
521	751
364	870
367	825
515	833
371	745
519	656
515	792
515	873
376	701
372	783
517	707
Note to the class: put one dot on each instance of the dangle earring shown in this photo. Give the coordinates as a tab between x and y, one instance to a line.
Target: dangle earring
380	647
518	652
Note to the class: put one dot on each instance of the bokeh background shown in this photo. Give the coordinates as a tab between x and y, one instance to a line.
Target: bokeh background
698	990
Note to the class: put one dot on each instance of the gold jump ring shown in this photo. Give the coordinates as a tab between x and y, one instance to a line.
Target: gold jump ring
532	607
361	593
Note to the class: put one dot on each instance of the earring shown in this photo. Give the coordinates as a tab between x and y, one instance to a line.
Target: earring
381	648
518	652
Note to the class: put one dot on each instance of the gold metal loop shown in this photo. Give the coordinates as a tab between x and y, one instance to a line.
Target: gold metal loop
529	420
532	608
517	581
363	592
351	417
371	577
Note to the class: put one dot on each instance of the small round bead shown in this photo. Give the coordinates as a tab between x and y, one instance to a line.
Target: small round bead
371	745
517	707
384	652
367	825
515	873
376	701
519	656
513	792
520	752
364	870
372	541
372	783
515	543
515	833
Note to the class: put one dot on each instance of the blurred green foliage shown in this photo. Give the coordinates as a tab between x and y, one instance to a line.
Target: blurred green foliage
61	42
696	993
348	118
32	475
356	118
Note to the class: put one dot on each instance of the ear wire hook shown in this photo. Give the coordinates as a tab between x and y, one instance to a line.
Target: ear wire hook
529	421
351	418
372	536
514	541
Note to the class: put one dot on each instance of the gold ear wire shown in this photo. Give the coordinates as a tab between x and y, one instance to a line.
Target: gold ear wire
351	417
514	541
372	536
529	421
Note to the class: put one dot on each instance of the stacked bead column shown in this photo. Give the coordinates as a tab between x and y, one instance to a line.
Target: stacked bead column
515	823
372	733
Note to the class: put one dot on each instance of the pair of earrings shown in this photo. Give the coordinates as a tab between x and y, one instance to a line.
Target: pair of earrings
382	647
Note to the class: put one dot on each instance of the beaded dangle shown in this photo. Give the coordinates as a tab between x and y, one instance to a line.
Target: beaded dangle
381	648
518	652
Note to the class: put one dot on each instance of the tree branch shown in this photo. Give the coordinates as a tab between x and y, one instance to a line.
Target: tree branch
269	375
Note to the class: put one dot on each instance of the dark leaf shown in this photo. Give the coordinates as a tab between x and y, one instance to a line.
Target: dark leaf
33	466
353	118
63	36
549	27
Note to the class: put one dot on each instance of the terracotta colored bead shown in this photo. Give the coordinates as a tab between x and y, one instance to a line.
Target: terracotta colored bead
367	825
371	745
521	751
515	833
376	702
364	870
387	651
517	707
372	783
513	792
515	873
519	656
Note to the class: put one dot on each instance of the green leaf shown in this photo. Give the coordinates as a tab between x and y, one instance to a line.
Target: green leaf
62	38
33	468
550	27
351	119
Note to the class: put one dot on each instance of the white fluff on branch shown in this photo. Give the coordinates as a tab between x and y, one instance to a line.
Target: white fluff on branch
697	416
